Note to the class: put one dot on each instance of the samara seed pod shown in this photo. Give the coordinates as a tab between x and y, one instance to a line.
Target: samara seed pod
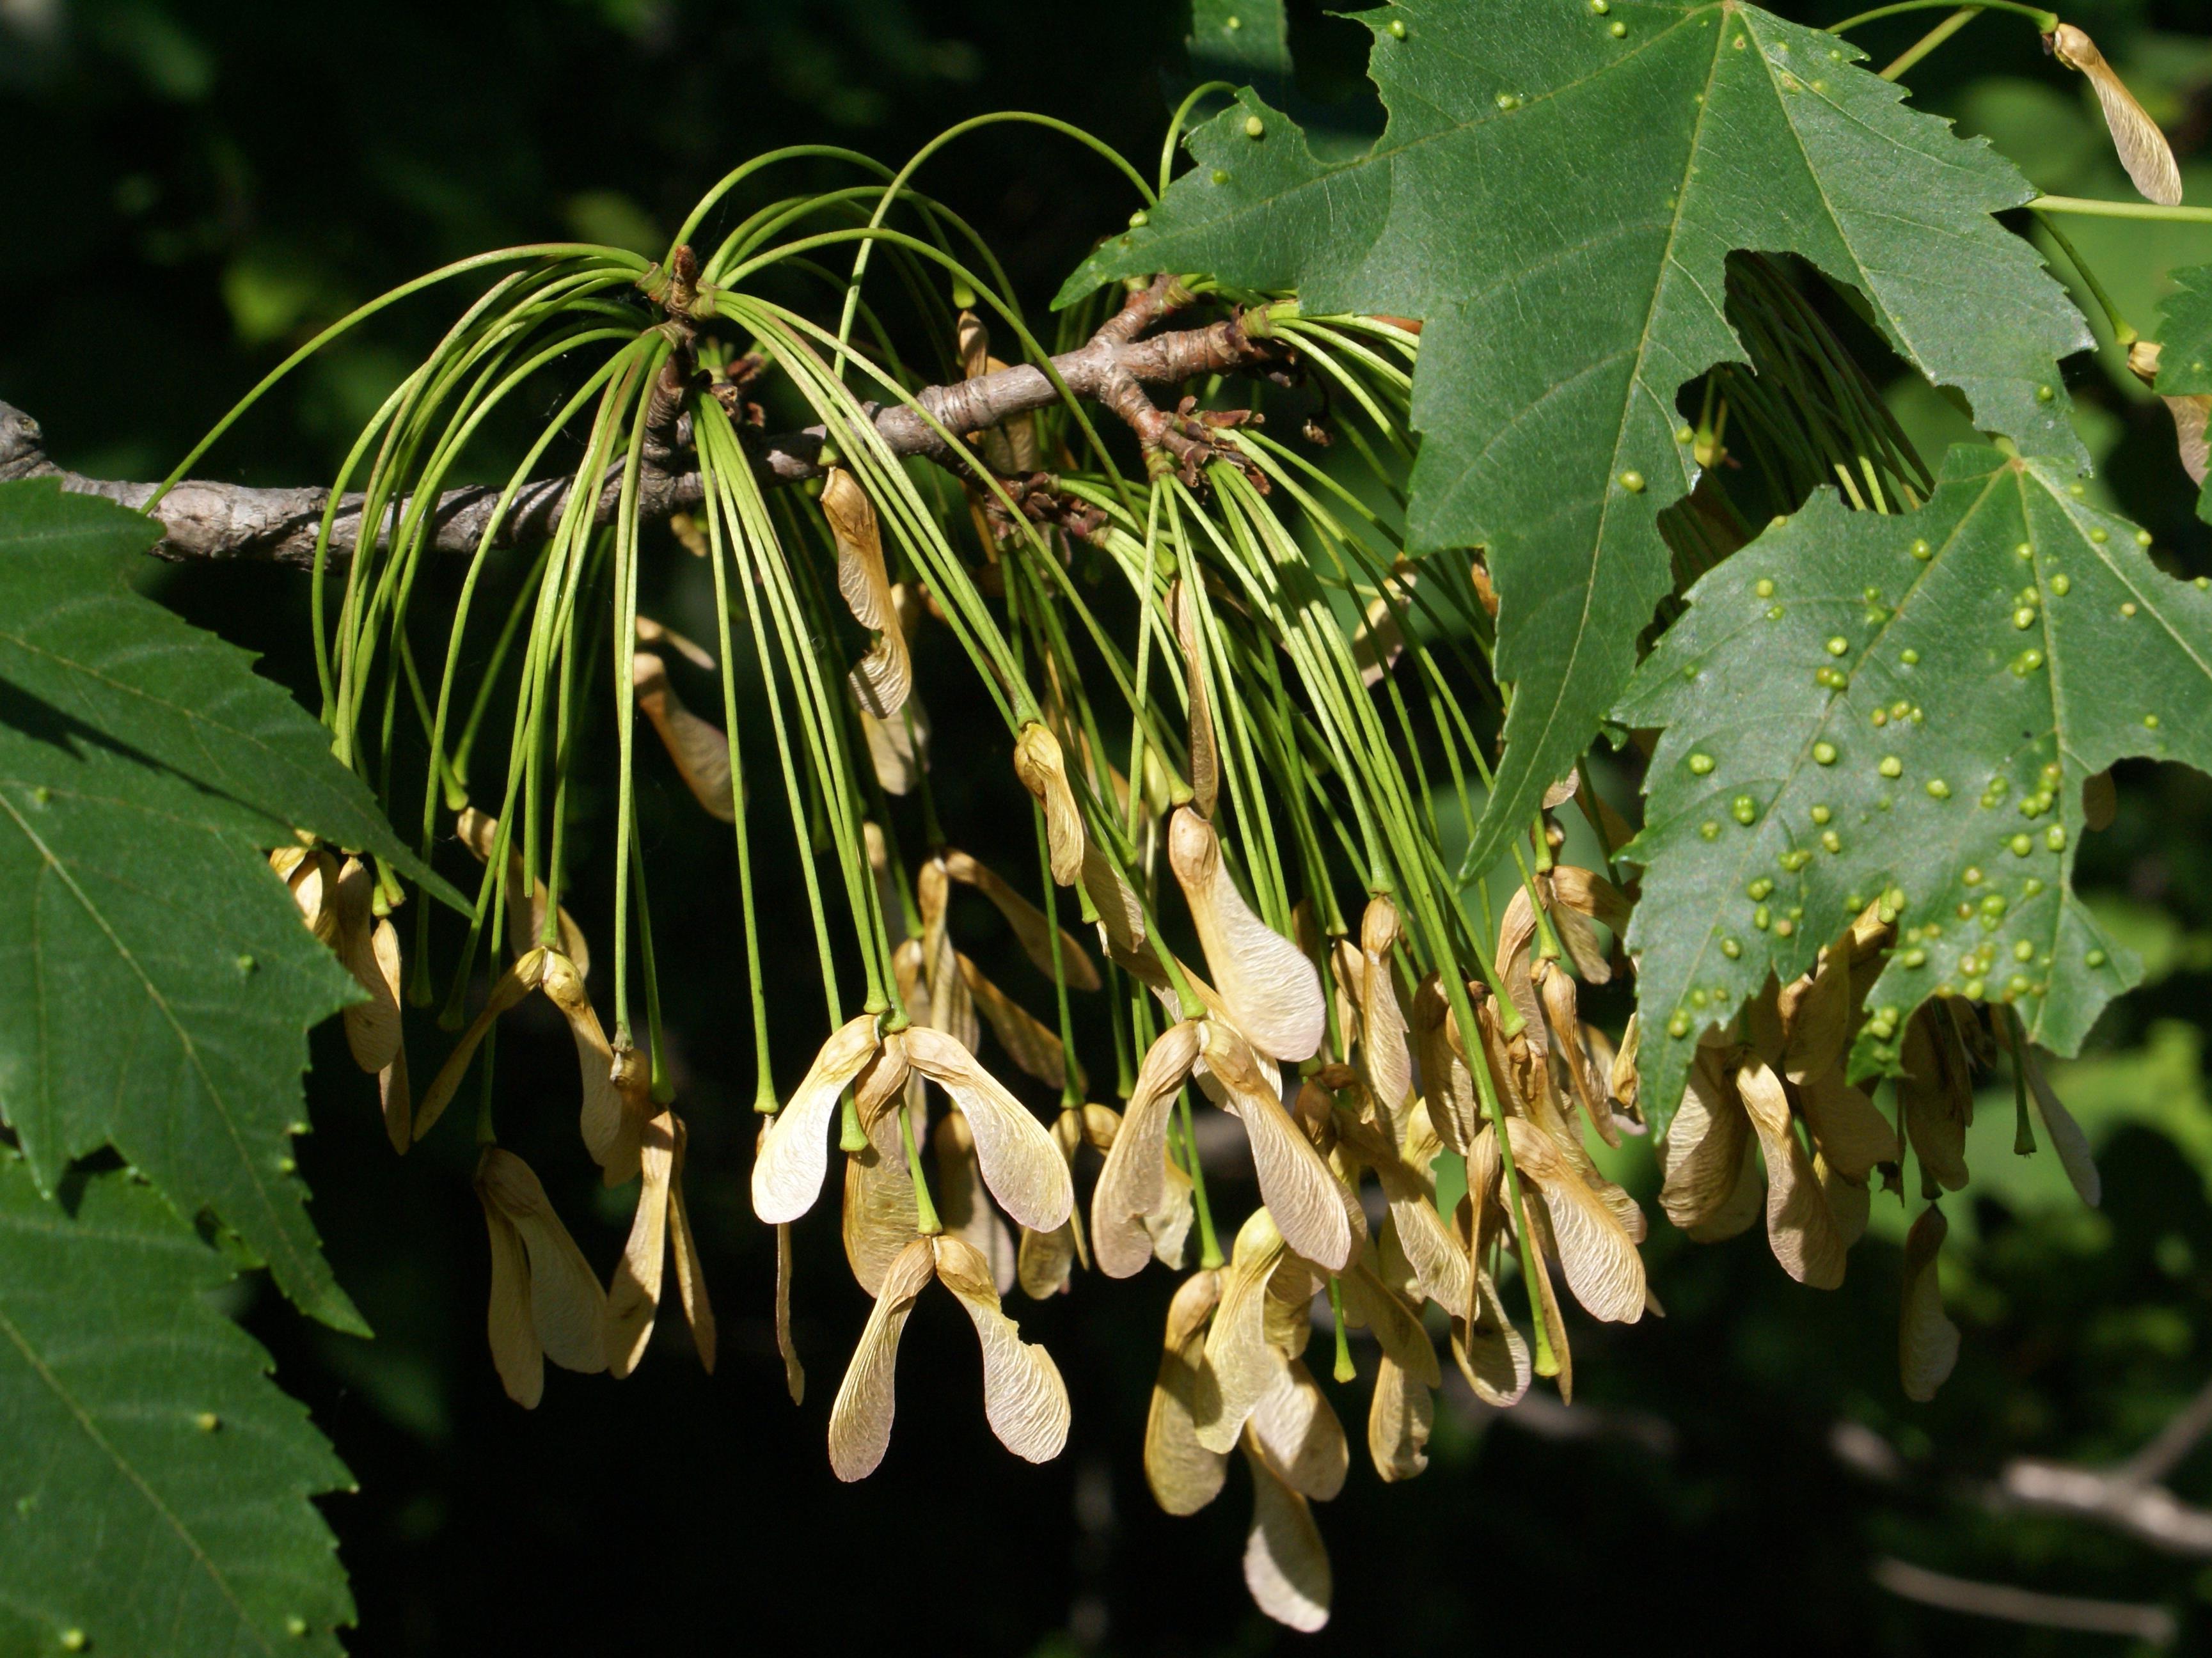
1033	1046
1596	1255
794	1153
1184	1475
1244	1365
1286	1566
1386	1060
633	1298
2143	148
898	748
1025	1399
1030	928
1134	1182
965	1212
951	1004
654	637
861	1419
1204	752
1298	1429
1309	1203
1937	1094
507	990
690	1273
701	751
1927	1340
526	911
1023	1171
794	1372
1271	989
369	946
1800	1227
1379	639
2190	411
881	678
1850	1129
2064	1135
546	1301
1042	768
880	1216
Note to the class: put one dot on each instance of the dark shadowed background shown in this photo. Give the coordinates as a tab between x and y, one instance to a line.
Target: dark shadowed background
192	189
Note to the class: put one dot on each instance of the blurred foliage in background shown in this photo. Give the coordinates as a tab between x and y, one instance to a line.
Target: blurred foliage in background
193	188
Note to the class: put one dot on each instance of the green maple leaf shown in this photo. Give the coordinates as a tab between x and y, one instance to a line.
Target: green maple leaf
2185	364
1243	40
155	984
155	1484
1557	200
1858	706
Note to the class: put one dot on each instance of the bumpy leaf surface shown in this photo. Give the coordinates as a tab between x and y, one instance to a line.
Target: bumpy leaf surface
1994	650
1556	194
155	983
1247	41
155	1484
2184	367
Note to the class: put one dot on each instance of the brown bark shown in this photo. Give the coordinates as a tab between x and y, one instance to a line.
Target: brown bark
206	520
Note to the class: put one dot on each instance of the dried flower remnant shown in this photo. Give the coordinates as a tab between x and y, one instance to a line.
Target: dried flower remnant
1025	1399
2143	148
546	1301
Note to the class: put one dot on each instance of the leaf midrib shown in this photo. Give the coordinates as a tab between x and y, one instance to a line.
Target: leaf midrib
1483	843
302	1273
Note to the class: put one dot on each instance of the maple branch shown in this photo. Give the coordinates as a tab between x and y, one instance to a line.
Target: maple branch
2126	1497
2153	1625
205	520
